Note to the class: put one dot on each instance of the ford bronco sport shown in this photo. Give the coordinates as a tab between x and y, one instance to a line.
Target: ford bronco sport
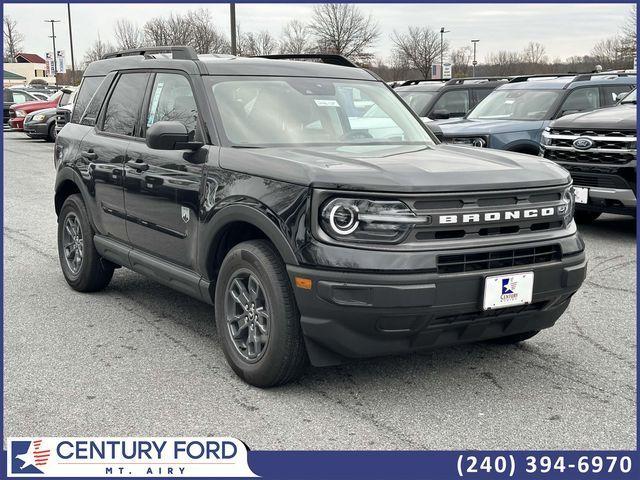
599	150
319	231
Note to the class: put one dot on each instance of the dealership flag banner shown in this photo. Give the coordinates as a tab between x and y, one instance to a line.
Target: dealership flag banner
127	457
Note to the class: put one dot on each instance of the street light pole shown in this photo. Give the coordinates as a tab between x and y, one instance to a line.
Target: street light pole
53	37
442	32
232	15
474	56
73	63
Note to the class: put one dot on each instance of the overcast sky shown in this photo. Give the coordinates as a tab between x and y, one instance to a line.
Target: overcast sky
565	29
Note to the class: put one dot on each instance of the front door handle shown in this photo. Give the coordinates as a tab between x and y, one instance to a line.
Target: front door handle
137	165
89	154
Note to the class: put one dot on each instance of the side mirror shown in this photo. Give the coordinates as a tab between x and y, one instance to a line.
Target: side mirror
170	136
441	114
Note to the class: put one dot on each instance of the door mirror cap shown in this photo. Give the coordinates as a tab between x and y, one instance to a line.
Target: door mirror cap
441	114
621	95
170	136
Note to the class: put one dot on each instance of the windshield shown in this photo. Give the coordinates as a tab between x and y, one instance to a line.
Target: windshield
631	98
416	100
276	111
516	105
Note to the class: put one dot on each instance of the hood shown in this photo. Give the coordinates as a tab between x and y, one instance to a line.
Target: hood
33	106
487	127
408	168
48	112
622	117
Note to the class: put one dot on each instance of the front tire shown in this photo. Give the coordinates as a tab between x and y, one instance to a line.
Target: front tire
585	216
51	136
82	267
257	317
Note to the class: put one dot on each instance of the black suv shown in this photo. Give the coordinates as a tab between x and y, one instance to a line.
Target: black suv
437	100
599	150
311	206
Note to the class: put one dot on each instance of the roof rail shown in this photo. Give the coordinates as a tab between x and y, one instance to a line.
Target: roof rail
406	83
524	78
460	81
588	76
330	58
181	52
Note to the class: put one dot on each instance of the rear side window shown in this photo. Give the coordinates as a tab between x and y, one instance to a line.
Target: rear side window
90	115
87	90
123	109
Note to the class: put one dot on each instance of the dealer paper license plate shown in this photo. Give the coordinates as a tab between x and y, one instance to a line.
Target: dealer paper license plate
508	290
581	194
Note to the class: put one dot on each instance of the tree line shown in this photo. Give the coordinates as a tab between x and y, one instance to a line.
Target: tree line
344	29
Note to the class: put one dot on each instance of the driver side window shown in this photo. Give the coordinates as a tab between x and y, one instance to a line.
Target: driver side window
172	100
456	102
581	99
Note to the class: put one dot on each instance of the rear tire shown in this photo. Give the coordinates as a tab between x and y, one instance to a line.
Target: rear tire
585	216
257	317
516	338
82	267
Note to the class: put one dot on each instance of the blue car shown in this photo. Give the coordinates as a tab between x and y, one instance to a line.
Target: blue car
514	115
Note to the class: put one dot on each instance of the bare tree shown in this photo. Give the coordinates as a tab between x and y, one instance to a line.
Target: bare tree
205	36
534	53
343	29
12	39
156	32
251	44
97	50
128	34
629	38
461	61
505	62
609	52
419	47
295	38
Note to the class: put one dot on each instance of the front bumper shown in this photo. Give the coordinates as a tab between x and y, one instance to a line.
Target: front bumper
356	315
610	200
36	129
16	123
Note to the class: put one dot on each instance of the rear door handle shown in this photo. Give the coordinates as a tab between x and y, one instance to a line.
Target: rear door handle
137	165
89	154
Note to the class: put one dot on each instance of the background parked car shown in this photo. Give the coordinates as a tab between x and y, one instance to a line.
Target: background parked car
599	150
19	111
514	115
41	124
11	96
436	100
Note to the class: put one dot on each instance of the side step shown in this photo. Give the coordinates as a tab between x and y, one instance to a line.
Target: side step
162	271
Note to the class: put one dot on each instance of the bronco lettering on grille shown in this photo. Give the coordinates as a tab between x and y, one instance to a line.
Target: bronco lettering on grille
486	217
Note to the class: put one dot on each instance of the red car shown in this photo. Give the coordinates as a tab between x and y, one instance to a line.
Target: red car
18	111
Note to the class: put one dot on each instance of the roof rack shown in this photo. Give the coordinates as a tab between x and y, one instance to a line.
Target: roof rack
460	81
330	58
406	83
524	78
588	76
182	52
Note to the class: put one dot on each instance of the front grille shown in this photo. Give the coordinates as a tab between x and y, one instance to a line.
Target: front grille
12	113
62	118
466	204
473	262
610	147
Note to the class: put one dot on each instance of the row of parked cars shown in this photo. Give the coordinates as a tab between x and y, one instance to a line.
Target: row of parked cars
584	122
36	110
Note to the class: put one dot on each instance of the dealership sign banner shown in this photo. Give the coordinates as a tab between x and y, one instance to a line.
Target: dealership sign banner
127	457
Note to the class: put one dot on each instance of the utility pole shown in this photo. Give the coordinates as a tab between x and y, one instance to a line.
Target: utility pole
73	63
474	56
232	14
53	37
442	32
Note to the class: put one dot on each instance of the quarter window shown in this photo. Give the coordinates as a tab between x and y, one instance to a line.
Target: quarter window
172	100
87	89
123	109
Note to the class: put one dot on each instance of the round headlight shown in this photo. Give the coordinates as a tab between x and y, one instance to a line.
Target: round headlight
343	218
479	142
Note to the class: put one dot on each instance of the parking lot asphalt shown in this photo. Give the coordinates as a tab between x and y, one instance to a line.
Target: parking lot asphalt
139	359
